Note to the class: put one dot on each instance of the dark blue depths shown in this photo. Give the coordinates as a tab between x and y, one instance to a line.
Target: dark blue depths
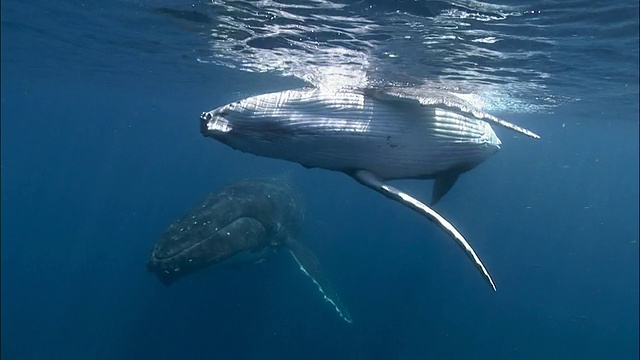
98	160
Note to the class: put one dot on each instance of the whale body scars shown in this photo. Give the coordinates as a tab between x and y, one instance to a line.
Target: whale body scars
243	221
373	135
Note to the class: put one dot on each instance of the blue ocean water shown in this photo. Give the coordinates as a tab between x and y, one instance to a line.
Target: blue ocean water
101	151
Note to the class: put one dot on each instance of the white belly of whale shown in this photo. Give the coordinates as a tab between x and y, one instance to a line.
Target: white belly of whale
350	130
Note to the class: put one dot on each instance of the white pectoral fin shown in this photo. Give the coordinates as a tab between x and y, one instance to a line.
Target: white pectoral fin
441	98
504	123
310	265
372	181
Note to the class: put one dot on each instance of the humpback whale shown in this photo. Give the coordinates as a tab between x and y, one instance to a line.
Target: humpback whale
373	135
243	221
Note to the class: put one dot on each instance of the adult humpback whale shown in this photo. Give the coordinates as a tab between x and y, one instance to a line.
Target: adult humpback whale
241	221
373	135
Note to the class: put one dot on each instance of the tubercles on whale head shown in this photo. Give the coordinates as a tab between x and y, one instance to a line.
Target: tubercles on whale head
214	122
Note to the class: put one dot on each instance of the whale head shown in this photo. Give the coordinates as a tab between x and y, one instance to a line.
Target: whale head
241	222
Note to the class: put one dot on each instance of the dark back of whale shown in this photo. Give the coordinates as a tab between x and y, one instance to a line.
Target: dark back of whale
240	220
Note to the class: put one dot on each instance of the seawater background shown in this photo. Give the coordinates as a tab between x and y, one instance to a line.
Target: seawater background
101	152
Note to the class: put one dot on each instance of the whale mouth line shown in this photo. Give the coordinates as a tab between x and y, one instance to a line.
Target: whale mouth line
183	251
186	250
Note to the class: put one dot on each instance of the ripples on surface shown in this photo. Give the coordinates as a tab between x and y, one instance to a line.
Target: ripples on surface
506	56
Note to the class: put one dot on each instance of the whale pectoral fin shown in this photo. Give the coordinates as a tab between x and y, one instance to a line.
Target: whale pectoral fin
490	118
310	265
442	99
442	185
369	179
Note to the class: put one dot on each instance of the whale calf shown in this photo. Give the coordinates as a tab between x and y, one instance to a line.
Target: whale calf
243	221
373	135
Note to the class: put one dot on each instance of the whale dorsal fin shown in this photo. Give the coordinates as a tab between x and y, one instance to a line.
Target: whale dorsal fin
441	98
372	181
442	185
310	265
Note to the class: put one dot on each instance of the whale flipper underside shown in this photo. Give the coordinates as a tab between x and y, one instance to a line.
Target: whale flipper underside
372	181
310	265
